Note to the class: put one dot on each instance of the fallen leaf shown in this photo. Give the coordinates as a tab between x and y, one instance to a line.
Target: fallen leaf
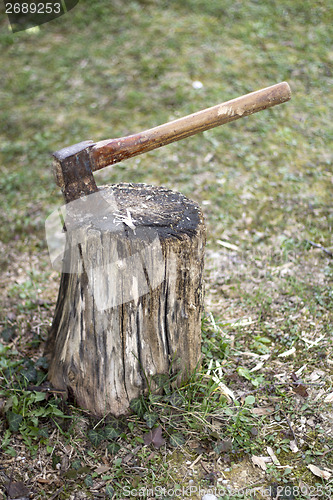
300	389
17	490
263	410
259	461
154	437
293	446
101	469
319	472
177	439
329	398
316	375
320	395
193	444
223	446
299	386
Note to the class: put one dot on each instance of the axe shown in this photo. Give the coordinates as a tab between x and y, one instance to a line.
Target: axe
74	165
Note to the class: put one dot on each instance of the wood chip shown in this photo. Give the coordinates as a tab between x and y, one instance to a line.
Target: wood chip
195	461
287	353
319	472
224	389
42	480
311	343
257	367
272	455
260	461
243	322
228	245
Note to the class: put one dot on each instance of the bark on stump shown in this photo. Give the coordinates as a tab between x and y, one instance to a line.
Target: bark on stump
130	301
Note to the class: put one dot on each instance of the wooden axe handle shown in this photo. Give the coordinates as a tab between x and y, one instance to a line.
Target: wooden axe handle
110	151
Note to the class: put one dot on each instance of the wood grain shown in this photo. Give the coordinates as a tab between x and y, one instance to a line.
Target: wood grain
111	151
109	336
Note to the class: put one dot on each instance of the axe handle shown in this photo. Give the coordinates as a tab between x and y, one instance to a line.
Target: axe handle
110	151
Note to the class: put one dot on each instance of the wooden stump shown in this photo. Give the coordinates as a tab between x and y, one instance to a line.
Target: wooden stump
130	297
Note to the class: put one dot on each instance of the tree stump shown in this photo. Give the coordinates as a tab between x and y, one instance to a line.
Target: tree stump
130	297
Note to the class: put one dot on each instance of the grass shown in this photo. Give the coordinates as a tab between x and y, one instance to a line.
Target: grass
265	185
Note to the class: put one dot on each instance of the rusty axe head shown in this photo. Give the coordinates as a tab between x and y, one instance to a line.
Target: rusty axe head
72	168
74	165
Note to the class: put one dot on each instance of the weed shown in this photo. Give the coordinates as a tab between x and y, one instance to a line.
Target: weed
29	410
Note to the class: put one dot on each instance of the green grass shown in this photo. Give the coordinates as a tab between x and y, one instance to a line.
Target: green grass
108	69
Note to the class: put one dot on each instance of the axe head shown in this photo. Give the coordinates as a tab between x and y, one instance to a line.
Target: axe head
73	172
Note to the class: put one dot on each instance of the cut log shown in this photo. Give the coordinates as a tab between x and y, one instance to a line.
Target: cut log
130	297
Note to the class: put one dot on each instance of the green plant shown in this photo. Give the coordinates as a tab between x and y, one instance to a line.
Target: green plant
28	411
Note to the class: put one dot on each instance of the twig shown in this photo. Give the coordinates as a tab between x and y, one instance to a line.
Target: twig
56	493
316	245
195	461
204	468
289	425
